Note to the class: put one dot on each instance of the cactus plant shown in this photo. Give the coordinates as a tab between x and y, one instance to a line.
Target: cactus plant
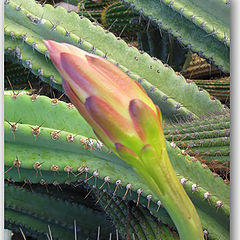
162	79
35	214
201	26
23	145
121	19
71	199
164	47
51	150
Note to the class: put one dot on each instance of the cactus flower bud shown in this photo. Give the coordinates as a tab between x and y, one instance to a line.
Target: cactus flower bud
127	121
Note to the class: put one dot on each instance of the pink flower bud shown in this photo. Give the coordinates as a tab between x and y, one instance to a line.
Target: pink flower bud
116	106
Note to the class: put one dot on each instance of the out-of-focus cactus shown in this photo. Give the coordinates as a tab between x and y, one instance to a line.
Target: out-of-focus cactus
201	26
132	130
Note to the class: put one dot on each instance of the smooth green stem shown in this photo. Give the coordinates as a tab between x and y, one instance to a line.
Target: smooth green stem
163	181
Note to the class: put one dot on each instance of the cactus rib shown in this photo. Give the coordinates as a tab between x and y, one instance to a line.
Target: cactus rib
153	71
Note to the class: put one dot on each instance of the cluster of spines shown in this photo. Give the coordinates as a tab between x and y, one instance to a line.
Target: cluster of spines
135	221
60	173
207	31
165	102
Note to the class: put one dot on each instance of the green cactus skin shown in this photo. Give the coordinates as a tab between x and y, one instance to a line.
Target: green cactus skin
205	138
66	205
42	209
60	152
201	26
175	97
164	47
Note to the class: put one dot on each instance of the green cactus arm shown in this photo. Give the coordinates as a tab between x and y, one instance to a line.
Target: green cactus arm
215	14
72	122
63	115
192	171
14	220
34	62
192	24
55	114
126	216
149	72
55	211
18	76
207	138
49	205
31	154
164	47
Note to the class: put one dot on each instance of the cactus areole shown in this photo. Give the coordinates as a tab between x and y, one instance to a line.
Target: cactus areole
127	121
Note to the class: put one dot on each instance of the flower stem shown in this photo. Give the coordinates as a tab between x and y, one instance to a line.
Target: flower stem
164	183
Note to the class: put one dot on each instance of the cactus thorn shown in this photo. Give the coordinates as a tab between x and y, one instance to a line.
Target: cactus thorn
17	164
104	191
14	95
139	192
37	166
128	188
57	184
149	198
118	184
36	130
93	187
28	182
68	170
55	101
